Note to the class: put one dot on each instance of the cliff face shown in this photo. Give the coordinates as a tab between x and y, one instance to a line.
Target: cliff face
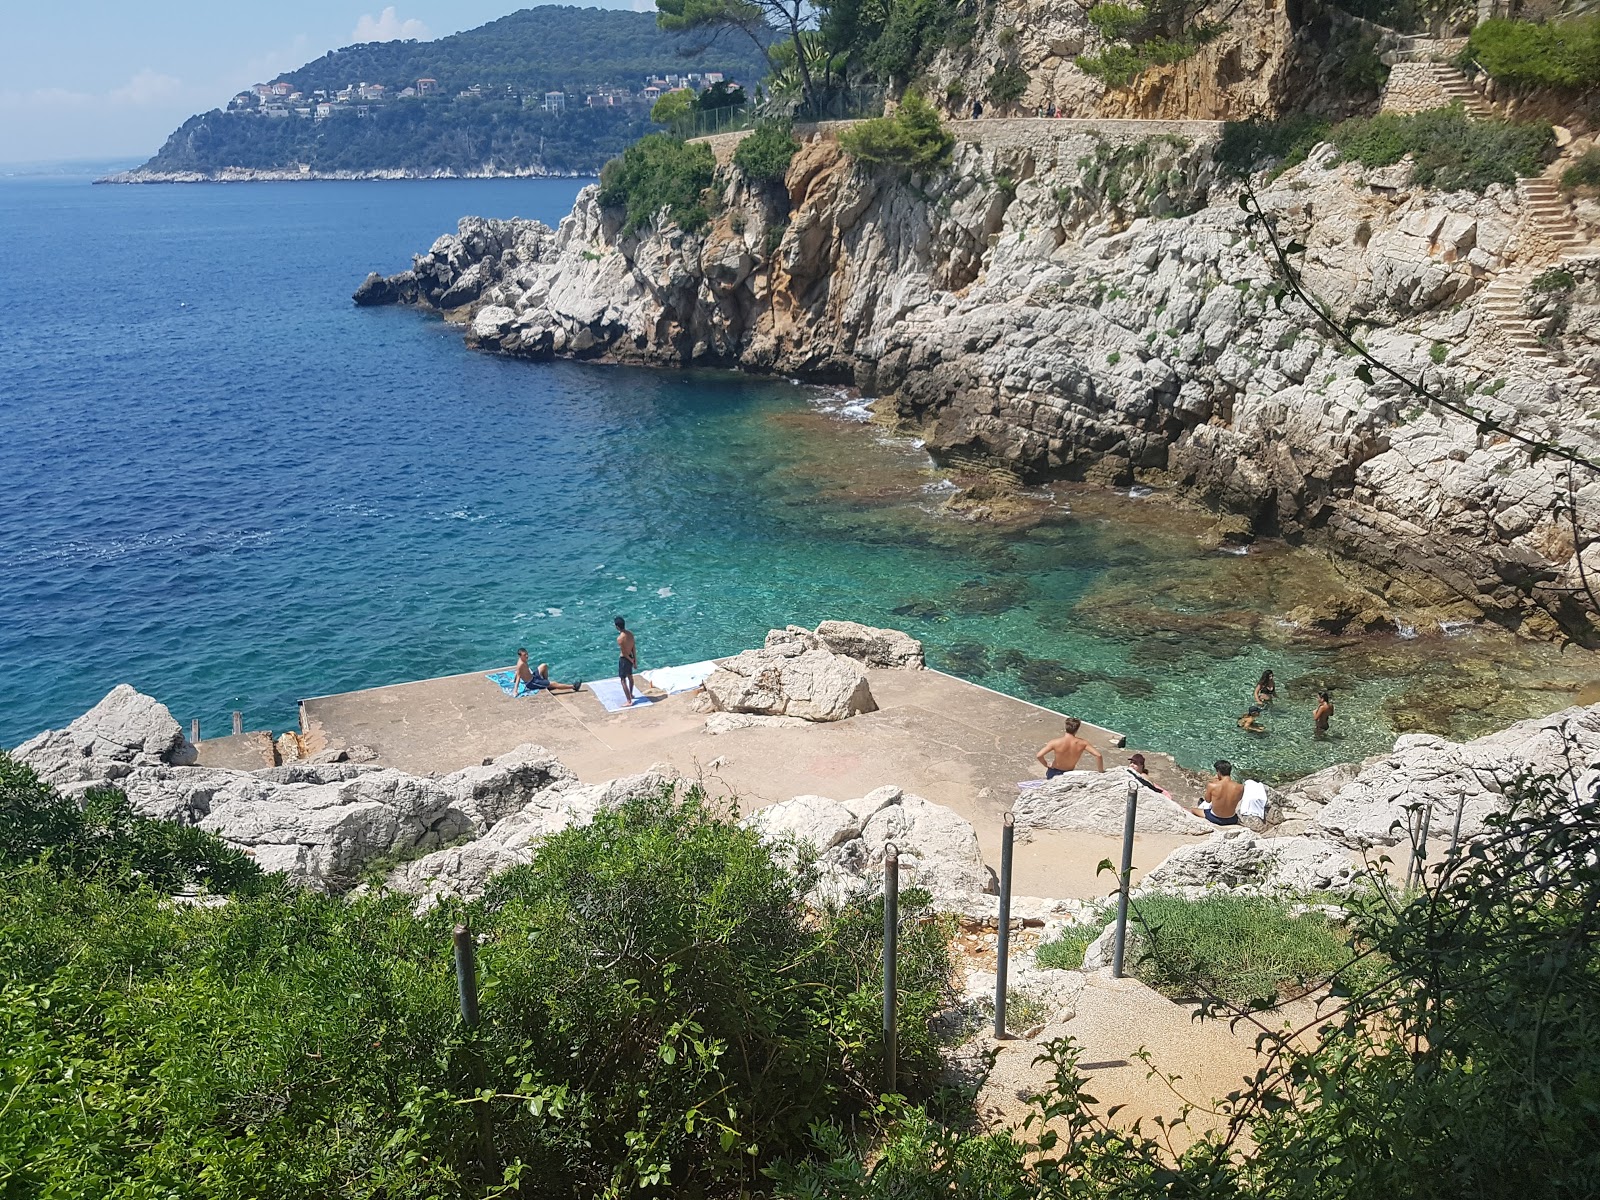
1093	305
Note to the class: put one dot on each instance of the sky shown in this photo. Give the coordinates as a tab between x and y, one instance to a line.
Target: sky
109	79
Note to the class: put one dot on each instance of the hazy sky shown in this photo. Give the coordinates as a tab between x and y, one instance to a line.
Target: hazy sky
111	78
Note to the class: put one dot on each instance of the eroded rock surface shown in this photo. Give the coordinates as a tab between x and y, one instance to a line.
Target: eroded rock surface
789	680
125	731
873	647
1236	860
1097	802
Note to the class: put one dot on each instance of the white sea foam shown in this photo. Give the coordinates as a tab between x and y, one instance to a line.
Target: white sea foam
1138	492
632	587
552	612
1456	628
1237	550
664	592
1407	631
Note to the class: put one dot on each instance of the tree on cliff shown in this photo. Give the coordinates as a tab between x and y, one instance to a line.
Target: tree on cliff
764	22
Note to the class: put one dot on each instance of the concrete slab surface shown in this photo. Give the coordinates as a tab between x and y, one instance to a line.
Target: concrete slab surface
934	735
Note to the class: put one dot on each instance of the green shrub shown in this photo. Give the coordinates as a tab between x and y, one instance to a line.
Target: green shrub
1451	151
765	154
913	139
104	837
1238	948
1115	22
1562	54
1247	146
1437	353
1007	83
1115	66
673	107
659	172
1583	173
1553	280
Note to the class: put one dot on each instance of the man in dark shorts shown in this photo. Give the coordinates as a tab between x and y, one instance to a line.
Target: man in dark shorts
1221	803
1064	752
528	679
1321	715
627	658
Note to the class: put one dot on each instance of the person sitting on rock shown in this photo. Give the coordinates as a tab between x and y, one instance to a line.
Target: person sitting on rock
1137	768
1064	752
1249	722
1223	793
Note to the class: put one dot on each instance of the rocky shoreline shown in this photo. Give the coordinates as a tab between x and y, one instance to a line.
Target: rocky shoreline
1063	308
286	175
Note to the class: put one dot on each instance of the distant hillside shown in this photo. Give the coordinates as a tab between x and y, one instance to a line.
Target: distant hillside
357	112
537	48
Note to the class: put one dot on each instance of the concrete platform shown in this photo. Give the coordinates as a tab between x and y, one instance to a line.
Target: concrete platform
940	737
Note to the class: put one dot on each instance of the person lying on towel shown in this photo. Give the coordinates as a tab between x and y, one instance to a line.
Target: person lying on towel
530	679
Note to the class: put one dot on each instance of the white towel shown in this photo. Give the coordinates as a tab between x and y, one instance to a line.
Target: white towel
1253	803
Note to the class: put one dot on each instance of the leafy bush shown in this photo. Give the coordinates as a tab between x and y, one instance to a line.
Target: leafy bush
766	153
1007	83
1437	353
1562	54
673	107
1451	151
1583	173
913	139
1247	146
104	837
1553	280
1114	66
659	1015
659	172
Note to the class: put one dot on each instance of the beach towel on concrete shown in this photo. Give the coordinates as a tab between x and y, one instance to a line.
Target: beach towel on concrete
609	693
673	680
505	680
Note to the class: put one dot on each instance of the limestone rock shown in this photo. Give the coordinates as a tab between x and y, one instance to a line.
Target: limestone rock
726	722
127	729
1092	802
788	680
465	870
1236	860
814	820
1472	778
885	648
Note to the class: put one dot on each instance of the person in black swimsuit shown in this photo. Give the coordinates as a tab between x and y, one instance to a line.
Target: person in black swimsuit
1266	690
1321	715
627	658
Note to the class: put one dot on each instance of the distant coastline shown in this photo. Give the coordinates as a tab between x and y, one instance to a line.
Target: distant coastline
286	175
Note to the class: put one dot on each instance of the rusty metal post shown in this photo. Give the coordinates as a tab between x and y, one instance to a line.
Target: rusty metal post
1127	875
467	988
1002	959
891	983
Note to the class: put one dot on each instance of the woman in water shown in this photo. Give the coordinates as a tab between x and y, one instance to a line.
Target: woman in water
1266	689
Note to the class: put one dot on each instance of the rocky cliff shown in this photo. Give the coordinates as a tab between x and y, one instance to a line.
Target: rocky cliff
1085	299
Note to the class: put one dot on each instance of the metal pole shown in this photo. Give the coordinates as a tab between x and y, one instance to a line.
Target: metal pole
194	730
891	936
467	987
238	722
1455	832
1422	845
1127	874
1002	960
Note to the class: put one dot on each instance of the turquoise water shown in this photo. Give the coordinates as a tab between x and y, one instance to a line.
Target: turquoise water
228	486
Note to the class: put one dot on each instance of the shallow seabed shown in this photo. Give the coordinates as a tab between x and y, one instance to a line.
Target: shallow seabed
228	486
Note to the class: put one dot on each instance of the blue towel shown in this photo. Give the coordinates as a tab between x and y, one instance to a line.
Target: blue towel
506	682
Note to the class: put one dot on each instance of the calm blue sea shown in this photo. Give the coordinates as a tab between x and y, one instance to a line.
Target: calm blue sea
222	482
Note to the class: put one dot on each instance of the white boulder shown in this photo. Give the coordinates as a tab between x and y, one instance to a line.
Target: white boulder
1096	802
791	681
127	729
885	648
1236	860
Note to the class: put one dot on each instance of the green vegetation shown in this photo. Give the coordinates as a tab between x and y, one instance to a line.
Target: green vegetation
1561	54
1006	84
659	172
766	153
1160	33
673	108
913	139
1585	173
1553	280
1437	353
1235	948
1464	1063
418	135
889	43
1451	151
1065	953
533	50
660	1016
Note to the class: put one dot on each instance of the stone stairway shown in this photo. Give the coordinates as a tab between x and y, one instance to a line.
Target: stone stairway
1457	87
1547	211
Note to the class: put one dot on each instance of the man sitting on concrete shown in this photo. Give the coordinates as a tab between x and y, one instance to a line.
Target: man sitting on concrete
527	679
1221	803
1064	753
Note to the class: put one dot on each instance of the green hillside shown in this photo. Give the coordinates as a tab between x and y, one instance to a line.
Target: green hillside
508	65
545	47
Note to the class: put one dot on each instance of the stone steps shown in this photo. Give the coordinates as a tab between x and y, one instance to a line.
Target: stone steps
1458	87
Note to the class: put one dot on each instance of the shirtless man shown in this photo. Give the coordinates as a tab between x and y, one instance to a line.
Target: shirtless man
627	658
1066	750
538	680
1221	803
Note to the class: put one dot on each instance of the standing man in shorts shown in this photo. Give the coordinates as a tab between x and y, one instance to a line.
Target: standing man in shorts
627	658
